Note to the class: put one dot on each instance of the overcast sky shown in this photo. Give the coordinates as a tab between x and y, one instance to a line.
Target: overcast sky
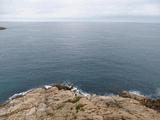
48	10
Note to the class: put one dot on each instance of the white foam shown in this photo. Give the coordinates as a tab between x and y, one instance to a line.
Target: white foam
25	92
85	93
75	89
47	86
19	94
135	92
78	91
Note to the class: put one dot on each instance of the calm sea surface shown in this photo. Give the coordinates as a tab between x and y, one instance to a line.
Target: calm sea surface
99	58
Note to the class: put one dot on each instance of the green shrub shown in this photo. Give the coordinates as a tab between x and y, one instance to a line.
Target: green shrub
78	107
73	100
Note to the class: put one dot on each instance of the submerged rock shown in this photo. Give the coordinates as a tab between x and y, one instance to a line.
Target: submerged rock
60	103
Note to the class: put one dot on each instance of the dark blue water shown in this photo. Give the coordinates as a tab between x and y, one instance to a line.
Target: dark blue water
99	58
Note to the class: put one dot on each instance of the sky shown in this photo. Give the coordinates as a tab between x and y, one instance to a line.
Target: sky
80	10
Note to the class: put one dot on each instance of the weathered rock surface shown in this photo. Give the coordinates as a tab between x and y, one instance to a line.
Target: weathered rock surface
2	28
148	102
59	104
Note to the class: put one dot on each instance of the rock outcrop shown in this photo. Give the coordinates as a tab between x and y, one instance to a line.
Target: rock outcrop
60	103
148	102
2	28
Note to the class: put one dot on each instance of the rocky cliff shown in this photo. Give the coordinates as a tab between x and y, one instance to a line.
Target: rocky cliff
61	103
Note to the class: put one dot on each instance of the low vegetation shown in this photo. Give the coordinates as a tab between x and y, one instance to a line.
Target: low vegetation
79	106
73	100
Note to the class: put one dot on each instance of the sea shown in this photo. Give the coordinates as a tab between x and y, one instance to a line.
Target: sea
101	58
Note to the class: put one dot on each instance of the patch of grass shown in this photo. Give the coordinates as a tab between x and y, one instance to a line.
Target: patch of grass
73	100
60	106
78	107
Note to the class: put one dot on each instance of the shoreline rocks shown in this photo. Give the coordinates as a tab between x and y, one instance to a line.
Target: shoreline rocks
148	102
60	103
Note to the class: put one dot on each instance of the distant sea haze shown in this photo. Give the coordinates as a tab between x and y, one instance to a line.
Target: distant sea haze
97	57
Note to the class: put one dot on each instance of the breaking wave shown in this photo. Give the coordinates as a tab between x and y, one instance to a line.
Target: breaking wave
19	94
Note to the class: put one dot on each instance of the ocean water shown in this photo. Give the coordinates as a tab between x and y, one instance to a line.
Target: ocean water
97	57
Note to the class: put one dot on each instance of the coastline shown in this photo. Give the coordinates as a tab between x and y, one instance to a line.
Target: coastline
50	102
75	90
2	28
21	94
